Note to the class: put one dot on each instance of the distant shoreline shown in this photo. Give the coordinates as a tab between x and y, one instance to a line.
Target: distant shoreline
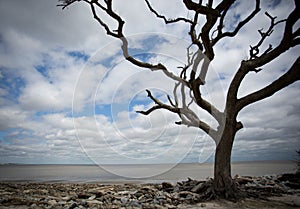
75	164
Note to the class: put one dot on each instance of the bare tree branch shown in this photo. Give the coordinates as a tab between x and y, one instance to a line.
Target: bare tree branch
159	105
167	20
199	8
198	81
103	24
266	57
152	67
254	50
292	75
65	3
194	37
202	125
192	74
287	40
188	117
221	34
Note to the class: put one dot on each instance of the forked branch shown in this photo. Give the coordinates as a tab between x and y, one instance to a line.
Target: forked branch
292	75
158	105
254	50
205	39
241	24
287	41
187	116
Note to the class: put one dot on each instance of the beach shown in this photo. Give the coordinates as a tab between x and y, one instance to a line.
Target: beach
267	192
265	184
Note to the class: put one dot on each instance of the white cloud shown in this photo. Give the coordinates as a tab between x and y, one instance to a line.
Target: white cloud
37	125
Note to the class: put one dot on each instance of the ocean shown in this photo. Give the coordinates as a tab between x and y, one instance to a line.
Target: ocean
135	173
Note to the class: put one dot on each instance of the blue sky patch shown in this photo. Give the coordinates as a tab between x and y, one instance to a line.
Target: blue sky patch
78	55
153	41
103	110
11	83
43	70
2	135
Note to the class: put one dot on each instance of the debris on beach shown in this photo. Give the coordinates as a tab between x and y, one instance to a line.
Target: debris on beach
185	194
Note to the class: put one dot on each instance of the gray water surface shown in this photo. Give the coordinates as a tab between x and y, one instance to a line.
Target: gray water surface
94	173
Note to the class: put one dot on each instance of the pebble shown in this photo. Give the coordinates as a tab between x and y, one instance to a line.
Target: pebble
52	202
92	197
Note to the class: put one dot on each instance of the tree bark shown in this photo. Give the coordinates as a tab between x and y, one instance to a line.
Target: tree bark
224	185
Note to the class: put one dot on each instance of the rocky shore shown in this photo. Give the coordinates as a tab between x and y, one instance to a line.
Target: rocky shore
282	191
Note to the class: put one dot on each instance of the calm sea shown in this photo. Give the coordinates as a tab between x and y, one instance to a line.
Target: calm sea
124	173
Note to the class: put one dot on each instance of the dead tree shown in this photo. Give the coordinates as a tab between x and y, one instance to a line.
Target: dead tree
192	75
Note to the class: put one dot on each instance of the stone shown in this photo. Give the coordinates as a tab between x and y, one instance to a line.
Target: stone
170	206
66	198
124	200
83	196
202	205
44	191
61	202
27	191
127	192
167	186
52	202
91	202
135	203
97	192
73	205
92	197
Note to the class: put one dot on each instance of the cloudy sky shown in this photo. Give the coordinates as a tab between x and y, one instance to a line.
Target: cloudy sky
68	96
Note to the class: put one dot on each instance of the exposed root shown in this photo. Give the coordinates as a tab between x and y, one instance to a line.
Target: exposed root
241	188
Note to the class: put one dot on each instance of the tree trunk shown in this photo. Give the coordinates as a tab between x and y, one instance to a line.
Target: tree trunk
223	184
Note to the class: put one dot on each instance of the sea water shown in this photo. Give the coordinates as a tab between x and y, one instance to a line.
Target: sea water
103	174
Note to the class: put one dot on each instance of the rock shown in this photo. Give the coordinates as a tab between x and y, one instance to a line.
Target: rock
124	200
73	205
61	202
167	186
135	203
202	205
94	202
92	197
158	206
170	206
66	198
5	193
127	192
27	191
44	191
83	196
140	197
98	192
52	202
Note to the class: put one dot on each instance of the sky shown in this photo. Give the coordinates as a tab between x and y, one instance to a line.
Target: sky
68	96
